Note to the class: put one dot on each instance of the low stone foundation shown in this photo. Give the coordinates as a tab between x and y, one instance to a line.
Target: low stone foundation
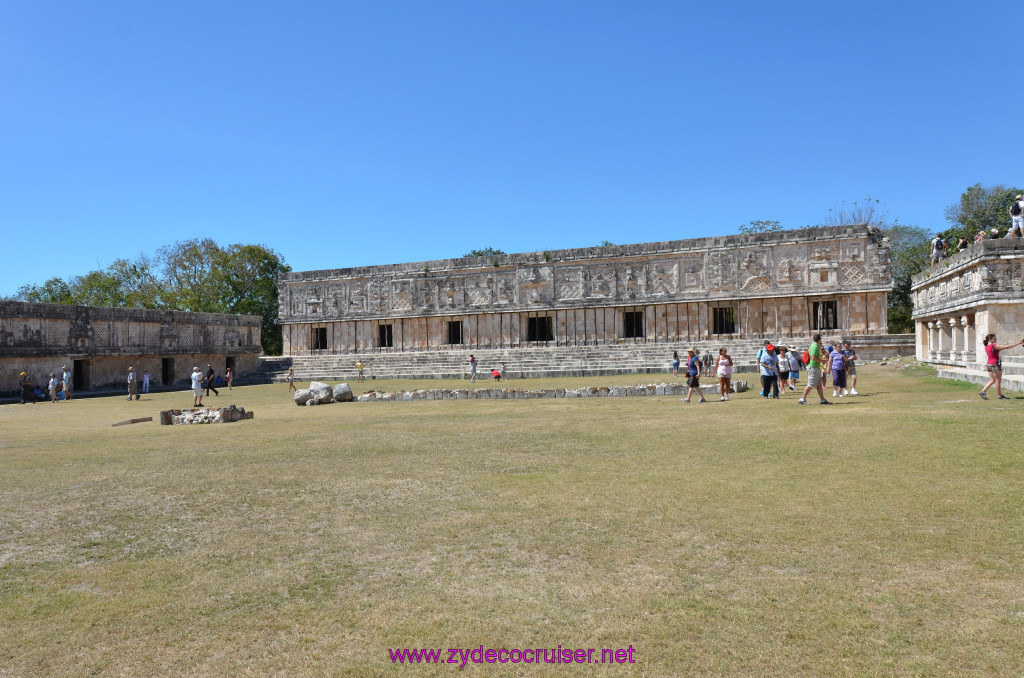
676	388
205	415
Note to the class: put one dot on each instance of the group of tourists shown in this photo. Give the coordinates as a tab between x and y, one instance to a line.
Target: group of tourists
940	248
779	368
55	388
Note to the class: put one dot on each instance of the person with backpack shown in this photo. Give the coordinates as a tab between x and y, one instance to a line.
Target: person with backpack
938	249
767	346
794	368
815	365
1016	218
693	367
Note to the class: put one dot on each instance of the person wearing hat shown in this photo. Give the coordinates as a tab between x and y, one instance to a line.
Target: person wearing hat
26	388
768	363
1016	218
67	376
133	384
197	387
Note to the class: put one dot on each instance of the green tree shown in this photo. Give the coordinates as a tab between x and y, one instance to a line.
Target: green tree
980	209
53	291
909	255
762	226
485	252
186	278
244	280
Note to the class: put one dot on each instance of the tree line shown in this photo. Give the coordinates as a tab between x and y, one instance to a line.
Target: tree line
194	275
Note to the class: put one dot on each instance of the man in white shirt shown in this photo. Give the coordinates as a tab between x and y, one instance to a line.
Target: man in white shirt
67	376
197	387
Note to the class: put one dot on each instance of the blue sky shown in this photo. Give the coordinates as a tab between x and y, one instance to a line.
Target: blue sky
347	134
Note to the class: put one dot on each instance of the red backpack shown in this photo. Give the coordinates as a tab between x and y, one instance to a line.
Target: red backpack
806	357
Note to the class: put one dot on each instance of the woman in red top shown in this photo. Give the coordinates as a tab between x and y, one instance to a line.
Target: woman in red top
995	365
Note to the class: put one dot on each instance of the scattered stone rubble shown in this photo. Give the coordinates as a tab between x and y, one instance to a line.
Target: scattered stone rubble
320	393
205	415
677	388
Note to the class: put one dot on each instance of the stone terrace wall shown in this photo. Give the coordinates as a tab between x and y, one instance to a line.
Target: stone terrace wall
41	338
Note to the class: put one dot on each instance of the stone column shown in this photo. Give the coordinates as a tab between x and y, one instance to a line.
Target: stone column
967	355
931	341
953	355
940	347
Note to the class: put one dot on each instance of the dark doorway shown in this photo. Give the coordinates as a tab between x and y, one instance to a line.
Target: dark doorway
80	376
723	321
633	324
229	363
824	315
319	339
540	329
167	371
385	336
455	332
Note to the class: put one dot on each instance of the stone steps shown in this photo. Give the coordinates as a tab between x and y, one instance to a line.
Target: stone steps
527	362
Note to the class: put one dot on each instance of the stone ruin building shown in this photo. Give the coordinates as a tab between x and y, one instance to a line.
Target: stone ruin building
619	307
98	344
961	299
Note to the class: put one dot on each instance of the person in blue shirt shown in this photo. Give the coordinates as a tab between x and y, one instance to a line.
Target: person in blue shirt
768	363
693	367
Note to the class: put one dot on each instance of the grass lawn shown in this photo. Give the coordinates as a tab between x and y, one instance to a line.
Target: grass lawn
880	536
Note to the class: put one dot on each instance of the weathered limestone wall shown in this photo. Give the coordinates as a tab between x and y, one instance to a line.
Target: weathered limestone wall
768	282
99	344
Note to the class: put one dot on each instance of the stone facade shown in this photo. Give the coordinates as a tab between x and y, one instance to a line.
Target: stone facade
964	298
788	283
99	344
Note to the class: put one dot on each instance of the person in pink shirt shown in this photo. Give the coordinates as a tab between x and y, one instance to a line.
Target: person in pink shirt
995	365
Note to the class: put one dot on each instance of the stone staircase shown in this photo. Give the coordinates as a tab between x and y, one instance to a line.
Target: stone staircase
521	363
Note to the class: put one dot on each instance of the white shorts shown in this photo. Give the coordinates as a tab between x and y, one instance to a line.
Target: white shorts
197	392
813	377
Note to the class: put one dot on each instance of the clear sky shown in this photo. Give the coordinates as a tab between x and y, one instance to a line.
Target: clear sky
346	134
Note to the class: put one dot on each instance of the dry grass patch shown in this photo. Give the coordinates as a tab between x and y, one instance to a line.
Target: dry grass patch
879	536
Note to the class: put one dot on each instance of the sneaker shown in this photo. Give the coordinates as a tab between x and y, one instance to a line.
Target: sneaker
1002	397
983	396
792	388
835	394
845	392
775	397
724	399
801	402
824	402
854	392
685	400
701	401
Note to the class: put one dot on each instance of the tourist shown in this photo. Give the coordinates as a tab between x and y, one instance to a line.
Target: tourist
51	387
706	363
495	375
210	378
781	368
995	365
133	385
26	389
66	376
980	235
962	244
197	385
229	376
693	376
760	352
675	364
794	368
838	365
472	368
145	381
291	378
767	362
938	248
814	370
724	372
1016	218
503	377
851	368
359	367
